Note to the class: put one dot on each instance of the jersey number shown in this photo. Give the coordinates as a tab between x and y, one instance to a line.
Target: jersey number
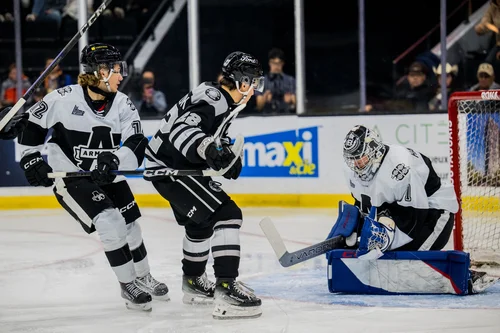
137	127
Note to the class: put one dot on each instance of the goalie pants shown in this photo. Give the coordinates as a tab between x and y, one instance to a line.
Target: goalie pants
112	210
433	234
205	210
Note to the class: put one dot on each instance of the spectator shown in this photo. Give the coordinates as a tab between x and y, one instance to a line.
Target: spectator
116	9
491	16
415	89
279	88
8	92
47	10
56	79
485	78
451	86
149	101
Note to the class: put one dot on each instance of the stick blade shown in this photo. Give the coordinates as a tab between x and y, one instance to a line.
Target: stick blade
273	237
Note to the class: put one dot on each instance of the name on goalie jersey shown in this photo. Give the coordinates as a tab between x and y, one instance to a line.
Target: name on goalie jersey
289	153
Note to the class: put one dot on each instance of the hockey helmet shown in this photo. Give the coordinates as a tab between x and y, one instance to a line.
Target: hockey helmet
244	68
363	152
98	55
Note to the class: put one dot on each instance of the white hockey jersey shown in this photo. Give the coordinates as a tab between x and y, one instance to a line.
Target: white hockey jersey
405	185
79	133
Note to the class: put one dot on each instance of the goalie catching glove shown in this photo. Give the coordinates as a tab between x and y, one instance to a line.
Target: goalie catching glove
376	236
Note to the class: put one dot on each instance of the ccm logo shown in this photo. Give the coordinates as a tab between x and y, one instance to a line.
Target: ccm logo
127	207
489	95
33	161
349	254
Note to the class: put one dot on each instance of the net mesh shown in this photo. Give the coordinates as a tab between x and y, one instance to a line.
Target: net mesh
479	153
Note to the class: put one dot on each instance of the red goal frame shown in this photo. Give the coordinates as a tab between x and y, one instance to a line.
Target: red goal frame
483	95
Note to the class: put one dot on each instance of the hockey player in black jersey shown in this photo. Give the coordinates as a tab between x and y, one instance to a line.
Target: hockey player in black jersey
414	207
88	122
15	125
185	140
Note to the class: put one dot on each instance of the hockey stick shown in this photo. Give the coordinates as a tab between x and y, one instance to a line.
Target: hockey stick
237	150
286	258
53	64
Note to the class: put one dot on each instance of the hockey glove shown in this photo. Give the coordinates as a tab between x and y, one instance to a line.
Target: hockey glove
219	158
36	170
106	162
376	236
234	171
15	126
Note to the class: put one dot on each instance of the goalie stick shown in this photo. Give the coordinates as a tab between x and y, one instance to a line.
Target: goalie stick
53	64
286	258
237	149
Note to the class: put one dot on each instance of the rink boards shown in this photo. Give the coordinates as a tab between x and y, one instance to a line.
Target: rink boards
289	161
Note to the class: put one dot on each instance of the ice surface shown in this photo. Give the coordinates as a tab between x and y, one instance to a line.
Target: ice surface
56	279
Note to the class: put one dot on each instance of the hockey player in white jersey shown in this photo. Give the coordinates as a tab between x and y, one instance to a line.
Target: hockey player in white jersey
15	125
414	207
88	121
185	140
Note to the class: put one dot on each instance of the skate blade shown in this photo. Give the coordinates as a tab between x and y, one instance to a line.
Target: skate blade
223	312
191	299
163	298
139	307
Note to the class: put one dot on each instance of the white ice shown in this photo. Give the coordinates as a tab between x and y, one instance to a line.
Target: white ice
55	278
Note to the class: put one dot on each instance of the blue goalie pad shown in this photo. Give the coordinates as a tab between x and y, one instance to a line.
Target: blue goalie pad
399	273
347	220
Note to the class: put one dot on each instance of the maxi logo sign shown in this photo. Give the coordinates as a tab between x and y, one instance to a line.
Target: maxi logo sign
282	154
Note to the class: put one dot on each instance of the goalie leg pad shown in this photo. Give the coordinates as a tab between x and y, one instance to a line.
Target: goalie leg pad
347	221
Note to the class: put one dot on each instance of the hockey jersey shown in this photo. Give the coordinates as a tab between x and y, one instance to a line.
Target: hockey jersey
196	116
78	133
406	185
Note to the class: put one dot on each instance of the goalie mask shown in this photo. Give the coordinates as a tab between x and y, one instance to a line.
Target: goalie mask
99	55
363	152
244	68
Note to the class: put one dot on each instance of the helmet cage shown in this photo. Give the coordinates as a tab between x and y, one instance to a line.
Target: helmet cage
363	153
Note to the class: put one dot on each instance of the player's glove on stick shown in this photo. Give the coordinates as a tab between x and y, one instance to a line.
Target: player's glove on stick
219	158
15	126
106	162
36	170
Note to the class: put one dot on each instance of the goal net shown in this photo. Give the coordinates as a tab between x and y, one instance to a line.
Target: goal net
474	120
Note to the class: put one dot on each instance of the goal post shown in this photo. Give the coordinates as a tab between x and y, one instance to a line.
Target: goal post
474	138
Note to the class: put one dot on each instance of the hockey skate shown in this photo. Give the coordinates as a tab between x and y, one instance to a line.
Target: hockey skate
234	300
197	289
135	298
480	281
158	290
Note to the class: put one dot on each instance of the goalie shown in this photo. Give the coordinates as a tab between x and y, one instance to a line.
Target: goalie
401	200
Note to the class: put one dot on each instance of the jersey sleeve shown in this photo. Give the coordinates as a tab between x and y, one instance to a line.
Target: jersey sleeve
41	119
190	129
131	152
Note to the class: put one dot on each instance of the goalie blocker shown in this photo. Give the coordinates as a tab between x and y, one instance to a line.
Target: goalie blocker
394	272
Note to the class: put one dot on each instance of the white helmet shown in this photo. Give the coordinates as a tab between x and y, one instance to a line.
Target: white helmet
361	142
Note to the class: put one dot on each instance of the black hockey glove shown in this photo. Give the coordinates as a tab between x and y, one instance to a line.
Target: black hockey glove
234	171
36	170
15	125
106	162
218	158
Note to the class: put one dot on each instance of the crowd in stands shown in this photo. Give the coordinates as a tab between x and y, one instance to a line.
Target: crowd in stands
418	90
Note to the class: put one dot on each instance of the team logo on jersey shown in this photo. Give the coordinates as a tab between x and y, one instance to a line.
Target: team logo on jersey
213	94
351	184
214	186
282	154
100	140
77	111
400	171
39	109
131	105
98	196
64	90
414	153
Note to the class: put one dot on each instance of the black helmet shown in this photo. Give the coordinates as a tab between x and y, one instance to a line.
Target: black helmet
95	55
363	152
244	68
